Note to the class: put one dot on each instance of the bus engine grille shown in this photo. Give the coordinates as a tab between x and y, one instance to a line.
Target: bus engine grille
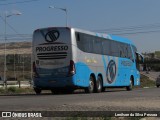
57	55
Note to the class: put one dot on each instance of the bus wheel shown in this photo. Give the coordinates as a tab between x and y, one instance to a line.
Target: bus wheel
130	87
38	91
157	86
90	88
99	85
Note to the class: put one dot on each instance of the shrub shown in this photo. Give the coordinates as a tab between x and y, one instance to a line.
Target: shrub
12	89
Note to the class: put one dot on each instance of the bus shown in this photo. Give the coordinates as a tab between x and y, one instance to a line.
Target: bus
65	59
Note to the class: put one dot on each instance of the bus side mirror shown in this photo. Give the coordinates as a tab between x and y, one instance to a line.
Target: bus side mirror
140	57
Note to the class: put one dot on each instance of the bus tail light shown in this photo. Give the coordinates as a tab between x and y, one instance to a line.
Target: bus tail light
72	69
35	74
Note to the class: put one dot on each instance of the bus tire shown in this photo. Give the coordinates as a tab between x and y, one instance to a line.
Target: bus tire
38	91
157	86
130	87
90	88
99	85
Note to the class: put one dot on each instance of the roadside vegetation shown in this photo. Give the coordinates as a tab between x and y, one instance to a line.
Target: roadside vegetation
146	82
16	90
152	61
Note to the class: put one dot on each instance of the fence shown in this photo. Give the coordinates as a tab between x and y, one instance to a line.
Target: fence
18	57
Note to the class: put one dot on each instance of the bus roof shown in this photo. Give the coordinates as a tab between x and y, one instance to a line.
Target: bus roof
103	35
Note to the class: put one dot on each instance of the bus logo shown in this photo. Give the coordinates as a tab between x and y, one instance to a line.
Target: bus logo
52	36
111	72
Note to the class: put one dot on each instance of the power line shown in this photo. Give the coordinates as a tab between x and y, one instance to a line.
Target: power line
18	36
131	28
140	29
11	3
140	32
10	26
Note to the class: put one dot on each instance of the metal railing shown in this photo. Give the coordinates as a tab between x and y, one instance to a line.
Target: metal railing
18	58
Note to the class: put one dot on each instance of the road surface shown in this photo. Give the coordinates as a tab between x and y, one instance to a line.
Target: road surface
113	99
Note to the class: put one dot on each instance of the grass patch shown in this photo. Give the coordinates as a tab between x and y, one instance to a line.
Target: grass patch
16	90
2	91
12	89
146	82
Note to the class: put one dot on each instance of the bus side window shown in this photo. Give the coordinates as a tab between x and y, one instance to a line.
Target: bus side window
77	37
130	56
97	45
114	48
84	42
106	47
120	53
126	51
134	55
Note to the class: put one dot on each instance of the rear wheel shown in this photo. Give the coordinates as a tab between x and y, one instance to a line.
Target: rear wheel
99	85
157	86
38	91
90	88
130	87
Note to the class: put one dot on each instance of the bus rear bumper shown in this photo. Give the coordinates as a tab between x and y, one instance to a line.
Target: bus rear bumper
51	83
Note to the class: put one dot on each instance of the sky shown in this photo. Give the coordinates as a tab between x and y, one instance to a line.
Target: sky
137	20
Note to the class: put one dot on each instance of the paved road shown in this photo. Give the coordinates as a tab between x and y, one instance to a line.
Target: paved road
114	99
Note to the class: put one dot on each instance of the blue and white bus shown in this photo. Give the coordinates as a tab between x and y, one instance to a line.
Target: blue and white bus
65	59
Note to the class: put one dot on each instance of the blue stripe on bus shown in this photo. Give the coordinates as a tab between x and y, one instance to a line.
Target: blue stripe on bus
83	73
104	63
